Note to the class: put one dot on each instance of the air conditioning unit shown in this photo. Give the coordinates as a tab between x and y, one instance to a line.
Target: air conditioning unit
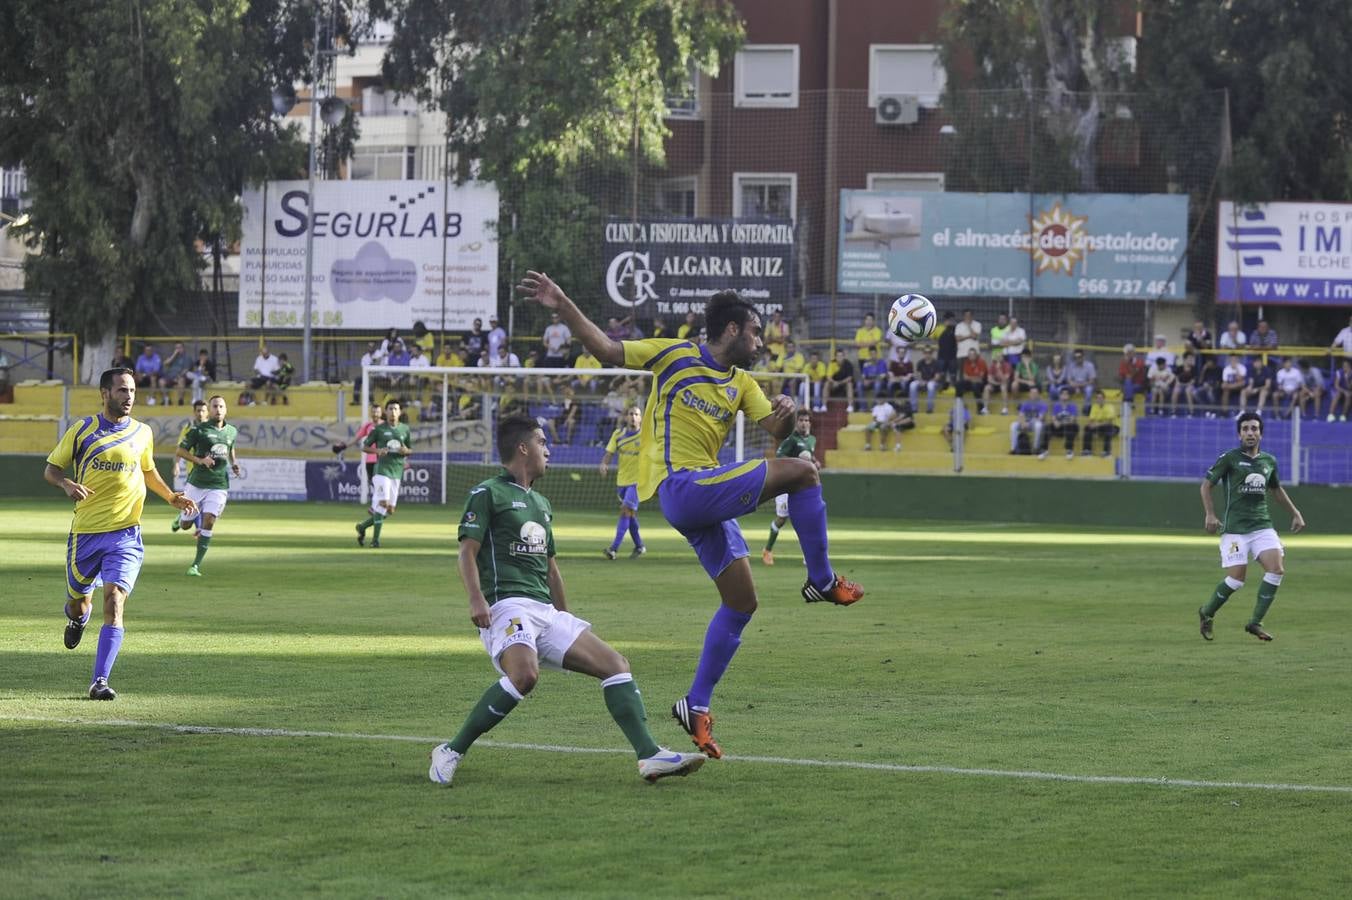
897	109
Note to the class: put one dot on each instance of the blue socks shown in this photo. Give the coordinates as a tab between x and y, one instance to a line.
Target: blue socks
83	620
110	641
807	511
633	531
721	641
621	527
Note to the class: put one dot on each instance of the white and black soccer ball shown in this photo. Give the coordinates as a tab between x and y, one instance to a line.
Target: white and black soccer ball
393	445
912	318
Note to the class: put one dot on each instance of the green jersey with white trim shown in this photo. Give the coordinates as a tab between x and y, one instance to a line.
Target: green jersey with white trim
207	439
1246	480
796	445
390	437
516	539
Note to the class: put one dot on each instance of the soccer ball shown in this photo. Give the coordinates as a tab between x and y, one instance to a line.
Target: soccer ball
912	317
393	444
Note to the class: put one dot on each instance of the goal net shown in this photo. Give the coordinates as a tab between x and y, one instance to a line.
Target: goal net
453	415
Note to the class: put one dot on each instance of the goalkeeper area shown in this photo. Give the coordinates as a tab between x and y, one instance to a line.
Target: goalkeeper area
453	414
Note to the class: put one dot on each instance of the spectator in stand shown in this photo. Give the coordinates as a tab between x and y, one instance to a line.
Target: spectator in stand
175	375
1032	418
417	359
998	376
1161	348
792	361
998	332
660	328
1264	338
1312	394
399	356
1209	384
887	419
122	361
1233	338
840	379
816	374
497	337
1290	383
505	358
972	379
688	329
148	369
1199	338
277	390
1102	423
201	374
1131	372
387	345
1260	381
422	338
372	357
776	334
1056	377
968	334
1014	342
617	329
928	376
947	336
475	340
584	362
962	414
558	338
265	368
1065	422
570	415
900	375
1081	377
872	380
1343	341
448	357
1235	382
1162	383
1342	391
1186	384
868	340
1027	374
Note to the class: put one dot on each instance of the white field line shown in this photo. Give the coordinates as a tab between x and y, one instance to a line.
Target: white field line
764	760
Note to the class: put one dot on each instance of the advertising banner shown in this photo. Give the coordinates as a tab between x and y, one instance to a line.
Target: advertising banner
1111	246
267	478
1296	253
667	267
378	250
341	481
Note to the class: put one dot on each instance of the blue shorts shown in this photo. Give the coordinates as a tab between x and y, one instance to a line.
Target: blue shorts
703	505
628	494
111	556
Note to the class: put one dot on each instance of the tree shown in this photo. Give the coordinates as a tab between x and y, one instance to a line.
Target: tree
138	121
558	102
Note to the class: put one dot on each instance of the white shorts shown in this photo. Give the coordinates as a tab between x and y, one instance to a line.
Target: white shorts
782	506
208	500
384	489
518	620
1238	549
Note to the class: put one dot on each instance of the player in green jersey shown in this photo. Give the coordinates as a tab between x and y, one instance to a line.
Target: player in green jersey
1248	475
799	444
517	601
393	444
625	443
209	446
182	468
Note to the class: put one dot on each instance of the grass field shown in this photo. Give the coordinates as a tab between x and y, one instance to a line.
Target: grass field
1009	712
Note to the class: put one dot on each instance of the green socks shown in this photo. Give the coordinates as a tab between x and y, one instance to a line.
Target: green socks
774	536
492	708
626	708
1267	592
1223	592
203	543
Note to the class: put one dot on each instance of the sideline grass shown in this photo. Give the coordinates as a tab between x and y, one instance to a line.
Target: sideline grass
977	647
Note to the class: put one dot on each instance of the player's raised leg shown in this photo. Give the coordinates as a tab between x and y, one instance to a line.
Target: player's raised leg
807	510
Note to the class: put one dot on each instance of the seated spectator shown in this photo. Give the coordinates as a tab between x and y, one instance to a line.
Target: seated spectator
1015	340
475	341
660	328
174	374
617	329
1209	383
1199	338
418	382
448	358
398	356
816	375
900	374
1065	422
1234	381
1081	377
1260	382
1027	374
1264	338
888	419
972	378
497	336
1186	384
1312	394
868	340
1343	341
557	340
265	368
1131	372
1161	348
122	361
1290	383
570	415
422	338
1028	424
1102	423
201	374
277	389
792	362
613	405
1162	381
1232	338
1342	392
585	362
1055	375
840	379
928	376
998	375
872	379
776	334
148	369
688	329
997	336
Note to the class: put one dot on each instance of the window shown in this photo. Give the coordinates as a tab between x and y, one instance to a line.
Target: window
381	164
684	104
676	196
769	195
766	75
905	69
906	181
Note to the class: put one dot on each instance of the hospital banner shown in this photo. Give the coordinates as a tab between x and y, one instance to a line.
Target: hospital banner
386	254
1292	253
1109	246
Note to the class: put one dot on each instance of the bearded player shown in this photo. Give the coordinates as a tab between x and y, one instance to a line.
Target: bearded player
625	444
696	394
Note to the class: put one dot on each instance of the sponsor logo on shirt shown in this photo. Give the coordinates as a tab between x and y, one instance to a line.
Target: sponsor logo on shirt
1254	483
531	542
105	465
713	410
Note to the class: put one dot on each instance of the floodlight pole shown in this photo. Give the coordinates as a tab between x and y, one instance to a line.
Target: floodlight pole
306	340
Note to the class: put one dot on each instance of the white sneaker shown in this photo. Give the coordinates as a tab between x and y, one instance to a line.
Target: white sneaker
1330	418
663	764
444	761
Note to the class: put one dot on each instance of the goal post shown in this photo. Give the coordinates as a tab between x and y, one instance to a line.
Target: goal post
453	413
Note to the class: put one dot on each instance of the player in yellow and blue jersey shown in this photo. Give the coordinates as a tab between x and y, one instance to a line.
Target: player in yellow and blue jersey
696	394
110	461
625	444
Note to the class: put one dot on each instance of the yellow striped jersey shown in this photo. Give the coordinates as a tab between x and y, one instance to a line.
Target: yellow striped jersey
692	406
181	435
625	446
109	459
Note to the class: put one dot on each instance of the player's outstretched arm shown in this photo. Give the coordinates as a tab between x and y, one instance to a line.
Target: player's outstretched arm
468	564
1210	523
557	595
166	493
541	288
780	421
56	477
1297	520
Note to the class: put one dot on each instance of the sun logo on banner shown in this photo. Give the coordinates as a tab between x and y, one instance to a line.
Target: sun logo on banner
1058	240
